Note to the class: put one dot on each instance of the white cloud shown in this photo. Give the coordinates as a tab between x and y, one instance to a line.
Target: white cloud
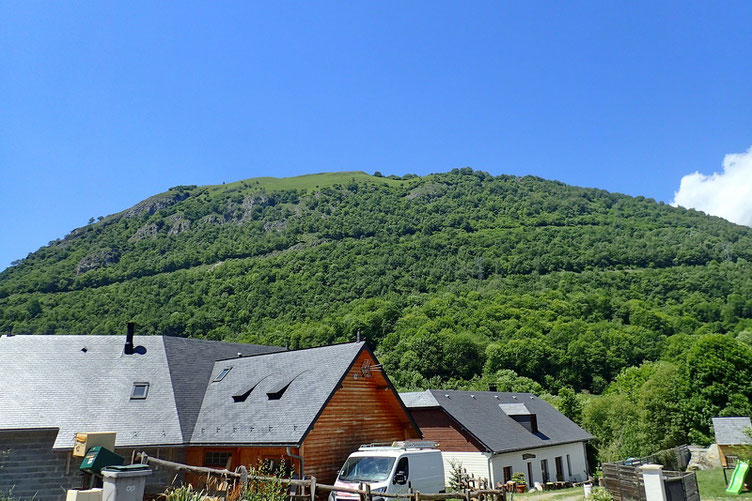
727	194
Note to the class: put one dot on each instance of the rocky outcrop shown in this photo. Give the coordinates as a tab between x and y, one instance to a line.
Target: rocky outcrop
275	225
212	219
146	231
250	203
178	225
155	203
426	191
704	459
96	259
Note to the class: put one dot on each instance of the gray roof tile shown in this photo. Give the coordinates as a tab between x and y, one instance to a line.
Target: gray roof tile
481	414
84	383
732	430
310	377
191	362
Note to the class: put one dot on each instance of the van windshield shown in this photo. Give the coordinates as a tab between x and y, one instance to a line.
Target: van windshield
366	469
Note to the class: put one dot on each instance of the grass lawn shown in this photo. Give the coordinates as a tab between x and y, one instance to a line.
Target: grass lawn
308	181
557	495
713	486
553	495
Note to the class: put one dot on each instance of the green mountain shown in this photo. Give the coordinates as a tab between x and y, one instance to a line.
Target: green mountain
458	280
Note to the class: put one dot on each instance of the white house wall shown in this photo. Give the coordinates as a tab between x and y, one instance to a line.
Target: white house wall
476	463
576	452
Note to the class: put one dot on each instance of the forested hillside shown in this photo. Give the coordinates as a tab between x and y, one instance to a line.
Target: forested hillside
458	280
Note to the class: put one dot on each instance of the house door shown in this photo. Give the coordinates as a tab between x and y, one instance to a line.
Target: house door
507	474
530	479
544	470
559	469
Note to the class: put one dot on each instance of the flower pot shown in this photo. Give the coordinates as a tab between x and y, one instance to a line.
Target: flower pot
521	488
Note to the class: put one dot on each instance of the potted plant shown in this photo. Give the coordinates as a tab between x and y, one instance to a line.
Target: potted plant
519	481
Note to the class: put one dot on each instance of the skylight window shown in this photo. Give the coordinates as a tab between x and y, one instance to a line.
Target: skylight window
140	391
222	374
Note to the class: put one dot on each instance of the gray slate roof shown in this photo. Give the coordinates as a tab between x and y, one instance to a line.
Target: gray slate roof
312	374
732	430
479	412
191	362
50	382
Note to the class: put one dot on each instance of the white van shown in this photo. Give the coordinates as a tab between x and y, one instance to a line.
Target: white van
392	468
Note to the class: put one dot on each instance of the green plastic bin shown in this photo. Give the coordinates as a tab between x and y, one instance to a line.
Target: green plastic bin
97	458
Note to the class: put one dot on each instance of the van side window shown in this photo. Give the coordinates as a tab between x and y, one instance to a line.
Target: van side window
404	467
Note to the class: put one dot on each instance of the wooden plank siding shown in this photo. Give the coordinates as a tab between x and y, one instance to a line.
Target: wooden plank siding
246	456
363	410
732	451
436	425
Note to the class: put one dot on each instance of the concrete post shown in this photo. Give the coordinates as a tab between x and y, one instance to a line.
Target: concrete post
655	488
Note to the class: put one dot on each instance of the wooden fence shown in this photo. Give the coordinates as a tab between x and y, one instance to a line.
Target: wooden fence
624	482
624	479
309	488
681	486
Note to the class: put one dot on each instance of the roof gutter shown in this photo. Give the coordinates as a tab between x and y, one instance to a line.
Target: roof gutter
507	451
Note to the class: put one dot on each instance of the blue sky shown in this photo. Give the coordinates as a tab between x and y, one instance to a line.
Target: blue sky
103	104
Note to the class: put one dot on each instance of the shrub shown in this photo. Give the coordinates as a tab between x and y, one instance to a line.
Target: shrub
183	493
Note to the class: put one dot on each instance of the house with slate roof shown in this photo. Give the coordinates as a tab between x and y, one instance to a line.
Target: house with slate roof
496	434
732	438
312	407
56	386
206	403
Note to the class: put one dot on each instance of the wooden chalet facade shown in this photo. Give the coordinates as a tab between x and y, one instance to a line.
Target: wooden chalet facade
334	399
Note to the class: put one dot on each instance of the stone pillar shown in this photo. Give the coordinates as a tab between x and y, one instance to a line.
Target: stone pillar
655	489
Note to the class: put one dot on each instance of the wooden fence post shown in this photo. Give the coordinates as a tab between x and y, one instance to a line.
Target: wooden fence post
243	476
369	497
313	488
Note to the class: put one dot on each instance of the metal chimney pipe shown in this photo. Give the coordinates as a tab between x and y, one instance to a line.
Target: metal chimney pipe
129	339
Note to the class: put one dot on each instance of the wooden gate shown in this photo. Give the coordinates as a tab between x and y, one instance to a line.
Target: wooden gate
624	482
681	486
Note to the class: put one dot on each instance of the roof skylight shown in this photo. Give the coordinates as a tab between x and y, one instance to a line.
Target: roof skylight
222	374
139	391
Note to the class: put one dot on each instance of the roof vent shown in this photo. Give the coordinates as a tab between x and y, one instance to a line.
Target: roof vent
129	339
472	396
276	395
279	389
129	348
514	397
84	349
446	395
242	397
